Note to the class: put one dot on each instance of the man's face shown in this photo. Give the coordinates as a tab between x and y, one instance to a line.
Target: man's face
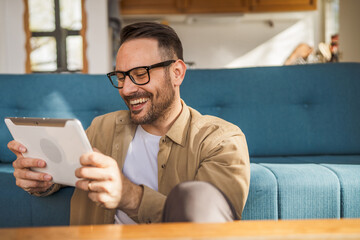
150	102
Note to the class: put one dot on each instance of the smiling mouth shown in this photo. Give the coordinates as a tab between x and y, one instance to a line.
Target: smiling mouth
136	105
138	101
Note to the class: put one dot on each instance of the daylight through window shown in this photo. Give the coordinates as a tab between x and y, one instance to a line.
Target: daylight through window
55	30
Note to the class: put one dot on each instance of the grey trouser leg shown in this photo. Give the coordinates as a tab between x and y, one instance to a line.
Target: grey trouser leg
197	202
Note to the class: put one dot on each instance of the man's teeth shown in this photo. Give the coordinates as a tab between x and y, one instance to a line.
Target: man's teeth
138	101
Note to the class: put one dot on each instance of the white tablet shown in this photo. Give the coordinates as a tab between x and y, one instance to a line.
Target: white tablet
59	142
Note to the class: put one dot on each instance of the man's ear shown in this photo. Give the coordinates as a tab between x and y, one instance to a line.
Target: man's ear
178	71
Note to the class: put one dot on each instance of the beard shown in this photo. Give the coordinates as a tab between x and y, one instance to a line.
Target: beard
160	104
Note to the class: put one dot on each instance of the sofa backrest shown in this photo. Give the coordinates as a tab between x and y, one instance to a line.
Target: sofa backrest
79	96
292	110
287	110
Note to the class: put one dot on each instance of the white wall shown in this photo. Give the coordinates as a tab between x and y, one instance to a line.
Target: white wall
218	41
209	42
97	35
12	38
249	40
349	31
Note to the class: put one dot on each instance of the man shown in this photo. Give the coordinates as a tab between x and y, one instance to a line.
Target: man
159	161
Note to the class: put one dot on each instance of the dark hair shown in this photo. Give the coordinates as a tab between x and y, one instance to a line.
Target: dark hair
168	40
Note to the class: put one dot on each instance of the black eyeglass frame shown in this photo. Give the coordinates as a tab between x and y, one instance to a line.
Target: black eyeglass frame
127	73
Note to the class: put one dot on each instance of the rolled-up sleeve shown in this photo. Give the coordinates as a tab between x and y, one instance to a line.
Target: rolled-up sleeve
225	164
151	206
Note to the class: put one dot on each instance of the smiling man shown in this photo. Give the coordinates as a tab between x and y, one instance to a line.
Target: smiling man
160	161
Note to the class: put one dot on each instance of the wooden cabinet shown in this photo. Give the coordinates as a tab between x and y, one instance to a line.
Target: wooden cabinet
281	5
130	7
151	6
182	6
216	6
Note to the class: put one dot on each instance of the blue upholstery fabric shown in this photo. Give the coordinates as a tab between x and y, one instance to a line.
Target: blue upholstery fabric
262	202
348	176
301	124
19	209
333	159
54	95
317	105
306	191
346	169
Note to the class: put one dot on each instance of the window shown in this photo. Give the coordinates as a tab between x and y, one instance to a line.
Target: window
55	31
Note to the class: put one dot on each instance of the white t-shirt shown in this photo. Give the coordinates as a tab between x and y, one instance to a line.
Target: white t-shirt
140	165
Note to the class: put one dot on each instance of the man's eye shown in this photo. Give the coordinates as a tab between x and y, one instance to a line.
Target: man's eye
120	77
141	75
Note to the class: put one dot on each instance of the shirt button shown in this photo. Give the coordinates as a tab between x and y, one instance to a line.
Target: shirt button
164	140
117	146
163	165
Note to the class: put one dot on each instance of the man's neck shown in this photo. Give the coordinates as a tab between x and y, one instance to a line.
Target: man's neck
162	125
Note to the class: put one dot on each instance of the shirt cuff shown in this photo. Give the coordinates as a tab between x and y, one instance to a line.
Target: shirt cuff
151	206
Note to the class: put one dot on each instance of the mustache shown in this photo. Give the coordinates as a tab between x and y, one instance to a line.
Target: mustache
138	95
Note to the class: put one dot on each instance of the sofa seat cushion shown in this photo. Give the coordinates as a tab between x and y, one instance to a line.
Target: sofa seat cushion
348	175
320	159
22	210
262	202
347	170
306	191
327	183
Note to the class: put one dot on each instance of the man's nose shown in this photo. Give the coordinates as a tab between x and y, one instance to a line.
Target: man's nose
129	87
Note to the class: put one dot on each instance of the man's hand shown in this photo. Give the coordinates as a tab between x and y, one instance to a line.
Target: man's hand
30	181
107	186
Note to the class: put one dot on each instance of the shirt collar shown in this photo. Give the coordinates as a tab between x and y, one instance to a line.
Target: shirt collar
178	131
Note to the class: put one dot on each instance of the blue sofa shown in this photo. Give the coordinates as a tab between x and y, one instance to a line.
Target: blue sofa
302	125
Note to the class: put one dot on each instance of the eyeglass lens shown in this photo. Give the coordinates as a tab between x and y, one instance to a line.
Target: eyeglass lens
139	75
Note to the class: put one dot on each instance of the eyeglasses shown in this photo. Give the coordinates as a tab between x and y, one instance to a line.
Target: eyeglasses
138	75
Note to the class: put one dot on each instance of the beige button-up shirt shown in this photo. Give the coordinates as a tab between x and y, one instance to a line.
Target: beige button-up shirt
197	147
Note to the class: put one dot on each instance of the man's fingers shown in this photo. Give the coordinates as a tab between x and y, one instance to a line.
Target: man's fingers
16	148
31	175
96	159
95	173
90	185
93	186
99	197
100	187
30	184
29	163
83	185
